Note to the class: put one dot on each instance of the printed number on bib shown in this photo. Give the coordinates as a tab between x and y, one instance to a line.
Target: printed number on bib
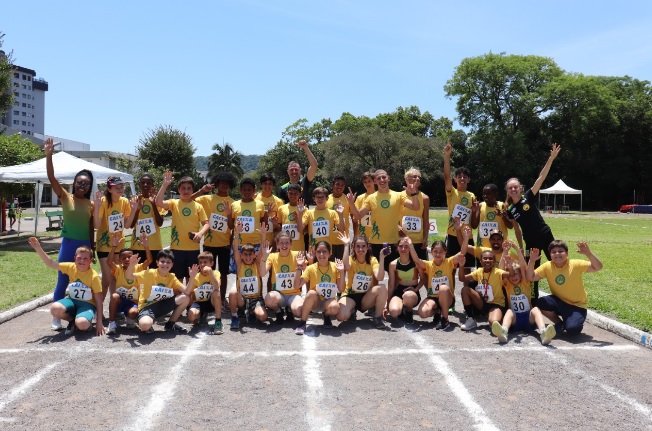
285	281
432	228
485	291
203	292
327	290
80	291
520	304
361	283
411	224
145	226
160	293
366	220
486	227
218	223
463	213
435	282
247	224
116	223
130	294
292	230
321	229
249	286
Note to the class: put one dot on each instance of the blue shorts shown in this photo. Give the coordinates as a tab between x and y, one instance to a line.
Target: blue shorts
126	305
78	309
522	322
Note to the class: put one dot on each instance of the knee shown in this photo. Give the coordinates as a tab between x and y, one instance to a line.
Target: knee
145	323
82	323
182	300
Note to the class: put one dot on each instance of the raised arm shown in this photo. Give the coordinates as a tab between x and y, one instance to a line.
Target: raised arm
426	220
236	244
206	188
133	261
596	263
167	180
345	256
190	284
48	146
341	283
312	170
115	242
413	254
47	260
448	181
97	206
530	274
546	168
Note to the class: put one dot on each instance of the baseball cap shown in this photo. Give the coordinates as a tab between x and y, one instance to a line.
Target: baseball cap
114	181
495	232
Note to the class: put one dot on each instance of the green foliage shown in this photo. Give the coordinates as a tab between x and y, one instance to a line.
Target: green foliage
225	159
406	120
201	163
6	95
15	150
250	162
167	148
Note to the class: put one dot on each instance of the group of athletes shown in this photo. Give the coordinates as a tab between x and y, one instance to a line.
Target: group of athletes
308	249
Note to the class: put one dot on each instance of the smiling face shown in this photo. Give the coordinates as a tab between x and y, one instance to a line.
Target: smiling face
223	188
360	249
487	260
267	187
116	191
293	196
146	185
83	261
294	172
369	184
247	192
496	242
320	200
438	254
382	181
403	247
248	256
558	256
461	181
322	254
516	278
82	185
283	243
489	196
514	189
338	188
164	265
124	258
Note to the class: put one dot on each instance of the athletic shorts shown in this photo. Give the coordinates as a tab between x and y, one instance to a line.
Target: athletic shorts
102	254
357	298
522	322
337	251
203	306
184	259
488	308
126	305
78	309
453	247
436	300
398	292
143	257
287	300
221	258
158	309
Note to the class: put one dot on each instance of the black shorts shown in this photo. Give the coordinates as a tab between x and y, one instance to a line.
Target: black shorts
398	292
203	306
221	258
183	259
357	298
337	251
143	257
376	250
453	247
158	309
432	298
488	308
103	254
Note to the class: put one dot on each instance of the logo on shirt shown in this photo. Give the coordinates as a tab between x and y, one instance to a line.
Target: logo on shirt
248	272
384	203
186	211
517	290
320	218
526	207
464	201
439	273
246	213
491	216
146	209
560	279
325	278
285	268
115	212
220	207
292	217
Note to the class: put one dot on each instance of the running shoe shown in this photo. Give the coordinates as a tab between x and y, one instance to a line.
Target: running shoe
353	317
371	312
279	317
499	331
408	316
70	329
443	324
378	323
328	323
174	327
203	319
288	314
217	328
56	324
301	329
548	334
130	323
235	322
113	327
469	324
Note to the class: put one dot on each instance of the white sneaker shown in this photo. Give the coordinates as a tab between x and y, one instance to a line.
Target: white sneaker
548	334
500	332
130	323
56	324
469	324
112	328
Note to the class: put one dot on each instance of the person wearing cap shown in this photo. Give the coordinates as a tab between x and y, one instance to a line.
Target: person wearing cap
495	240
111	214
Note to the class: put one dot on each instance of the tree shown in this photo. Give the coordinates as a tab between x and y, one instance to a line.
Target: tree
6	93
167	148
225	159
15	150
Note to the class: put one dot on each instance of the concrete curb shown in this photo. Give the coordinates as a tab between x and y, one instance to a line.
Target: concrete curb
25	308
618	328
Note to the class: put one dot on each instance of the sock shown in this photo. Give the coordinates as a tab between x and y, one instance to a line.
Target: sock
304	322
469	309
218	319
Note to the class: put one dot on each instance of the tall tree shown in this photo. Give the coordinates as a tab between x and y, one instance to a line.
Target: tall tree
165	147
6	95
15	150
225	159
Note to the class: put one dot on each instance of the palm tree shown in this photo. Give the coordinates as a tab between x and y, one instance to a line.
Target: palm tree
225	159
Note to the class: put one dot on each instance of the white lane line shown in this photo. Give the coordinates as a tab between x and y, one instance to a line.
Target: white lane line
479	417
317	416
21	389
147	416
631	402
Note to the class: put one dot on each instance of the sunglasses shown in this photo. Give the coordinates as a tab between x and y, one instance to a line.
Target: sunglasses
83	184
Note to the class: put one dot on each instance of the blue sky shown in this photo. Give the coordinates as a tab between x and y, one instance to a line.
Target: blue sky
242	71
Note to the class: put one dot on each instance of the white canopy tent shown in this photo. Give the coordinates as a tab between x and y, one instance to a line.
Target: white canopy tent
560	188
66	167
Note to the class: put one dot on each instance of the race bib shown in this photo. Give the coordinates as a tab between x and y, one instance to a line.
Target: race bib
366	220
130	294
411	224
80	291
361	283
203	292
145	226
485	291
285	281
326	290
116	223
218	223
463	213
248	224
160	293
520	304
432	228
249	286
321	229
486	227
435	282
292	230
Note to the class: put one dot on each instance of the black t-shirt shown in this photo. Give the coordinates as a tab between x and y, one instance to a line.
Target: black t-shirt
305	191
529	218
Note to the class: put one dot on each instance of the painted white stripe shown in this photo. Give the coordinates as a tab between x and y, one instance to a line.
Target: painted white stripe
7	419
317	416
479	417
21	389
164	391
631	402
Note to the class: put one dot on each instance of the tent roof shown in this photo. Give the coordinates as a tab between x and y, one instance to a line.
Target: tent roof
65	168
560	188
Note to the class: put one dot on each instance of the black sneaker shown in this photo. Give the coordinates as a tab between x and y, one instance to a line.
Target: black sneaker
150	330
279	317
436	318
70	329
354	316
173	327
328	323
378	323
408	316
288	314
251	318
443	324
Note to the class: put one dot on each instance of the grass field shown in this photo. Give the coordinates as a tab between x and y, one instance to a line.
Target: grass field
621	290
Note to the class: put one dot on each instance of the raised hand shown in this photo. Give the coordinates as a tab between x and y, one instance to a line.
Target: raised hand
583	248
135	203
32	241
168	178
448	149
301	259
301	206
339	208
48	146
350	196
554	152
302	144
115	239
460	260
193	271
466	233
227	209
310	254
343	237
97	200
457	223
535	254
134	259
339	264
238	227
144	240
262	230
207	188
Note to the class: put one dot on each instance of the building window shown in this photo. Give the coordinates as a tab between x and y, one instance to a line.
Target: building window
16	122
16	75
24	114
16	103
24	104
24	123
16	112
16	93
29	87
29	78
29	105
29	96
17	85
29	133
24	76
24	95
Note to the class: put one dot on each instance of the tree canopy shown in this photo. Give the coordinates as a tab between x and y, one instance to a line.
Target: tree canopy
167	148
15	150
6	94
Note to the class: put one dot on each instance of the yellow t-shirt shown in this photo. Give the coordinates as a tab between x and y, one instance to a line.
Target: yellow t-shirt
250	214
287	219
277	202
459	204
323	280
385	216
155	287
490	286
82	285
489	221
566	282
322	225
332	203
219	234
203	287
186	217
360	276
146	223
436	275
283	273
112	219
412	220
364	225
128	289
519	297
248	283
